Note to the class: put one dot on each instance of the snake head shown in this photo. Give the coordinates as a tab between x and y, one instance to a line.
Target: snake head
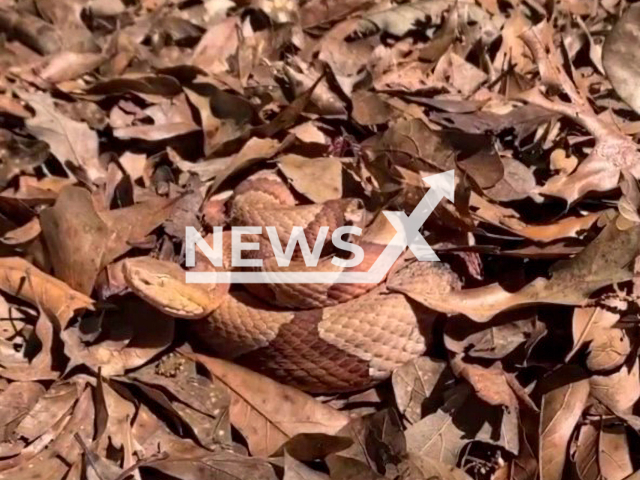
163	285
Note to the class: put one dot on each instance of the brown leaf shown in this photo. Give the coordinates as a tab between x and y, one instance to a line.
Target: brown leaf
161	85
153	133
201	403
61	448
613	453
490	384
512	49
24	234
613	152
224	117
323	100
254	151
495	214
619	56
493	342
560	160
65	66
561	409
307	447
66	17
16	401
344	467
153	436
370	444
603	262
113	417
608	346
411	143
403	18
317	12
268	413
185	211
319	179
460	74
437	436
215	466
414	382
49	409
516	183
97	466
288	116
485	167
524	120
69	140
296	470
418	467
76	237
620	390
215	47
132	224
41	366
130	338
21	279
585	454
630	201
30	30
19	155
370	109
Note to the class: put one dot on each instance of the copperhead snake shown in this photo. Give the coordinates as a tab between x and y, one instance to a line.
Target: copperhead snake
322	338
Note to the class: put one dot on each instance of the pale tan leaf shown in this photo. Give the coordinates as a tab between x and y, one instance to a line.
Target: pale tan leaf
69	140
437	436
268	413
490	384
15	403
608	346
40	366
459	73
319	179
153	133
613	453
210	466
518	182
512	48
254	151
29	231
613	152
18	277
49	409
61	450
215	47
414	382
585	454
130	336
64	66
132	224
619	390
419	467
560	412
620	56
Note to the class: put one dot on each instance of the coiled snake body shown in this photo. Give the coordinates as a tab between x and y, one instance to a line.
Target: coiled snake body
319	337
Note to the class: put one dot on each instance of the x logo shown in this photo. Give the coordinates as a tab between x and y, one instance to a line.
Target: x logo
442	185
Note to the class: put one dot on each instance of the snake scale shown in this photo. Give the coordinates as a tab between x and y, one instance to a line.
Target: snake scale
322	338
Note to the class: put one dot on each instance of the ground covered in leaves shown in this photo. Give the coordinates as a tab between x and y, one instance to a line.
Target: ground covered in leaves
124	121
